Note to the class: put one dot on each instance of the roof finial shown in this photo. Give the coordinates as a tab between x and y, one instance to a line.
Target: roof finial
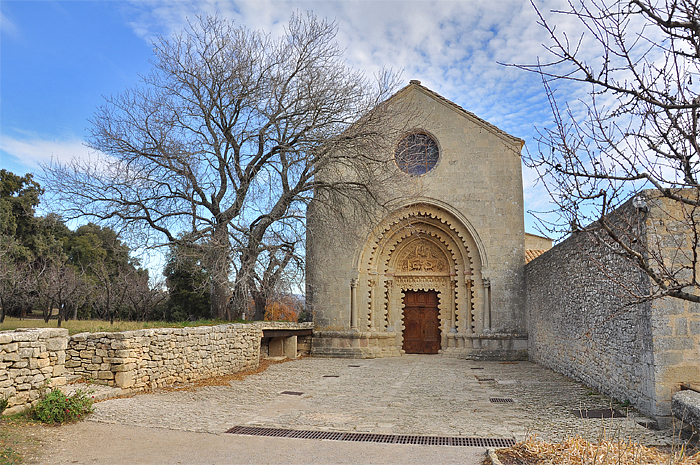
415	81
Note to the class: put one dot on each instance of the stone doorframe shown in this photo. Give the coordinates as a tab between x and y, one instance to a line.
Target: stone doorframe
421	247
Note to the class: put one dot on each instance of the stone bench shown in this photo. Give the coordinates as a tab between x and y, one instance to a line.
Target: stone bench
685	406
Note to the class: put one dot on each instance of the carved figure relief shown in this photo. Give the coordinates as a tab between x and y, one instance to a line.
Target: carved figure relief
423	257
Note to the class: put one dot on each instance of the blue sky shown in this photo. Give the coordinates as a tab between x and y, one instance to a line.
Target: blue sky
58	59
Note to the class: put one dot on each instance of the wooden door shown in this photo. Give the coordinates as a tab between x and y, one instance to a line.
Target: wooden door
421	325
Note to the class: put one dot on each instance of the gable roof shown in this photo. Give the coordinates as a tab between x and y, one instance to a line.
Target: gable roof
415	84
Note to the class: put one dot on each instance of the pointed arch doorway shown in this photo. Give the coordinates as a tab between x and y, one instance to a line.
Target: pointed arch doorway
421	322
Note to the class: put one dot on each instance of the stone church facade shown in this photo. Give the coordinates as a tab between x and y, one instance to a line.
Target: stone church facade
442	272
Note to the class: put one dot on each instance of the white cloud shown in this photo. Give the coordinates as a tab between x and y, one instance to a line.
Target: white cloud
453	47
8	27
32	152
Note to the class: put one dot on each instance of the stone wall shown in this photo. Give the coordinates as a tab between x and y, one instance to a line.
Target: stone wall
150	358
675	323
582	321
136	360
29	360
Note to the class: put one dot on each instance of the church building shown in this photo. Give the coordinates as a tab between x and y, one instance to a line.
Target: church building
443	271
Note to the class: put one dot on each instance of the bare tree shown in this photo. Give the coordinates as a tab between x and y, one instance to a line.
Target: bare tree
636	129
15	282
62	287
225	138
141	297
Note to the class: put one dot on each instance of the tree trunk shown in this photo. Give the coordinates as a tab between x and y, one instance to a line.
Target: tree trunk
260	303
219	299
219	264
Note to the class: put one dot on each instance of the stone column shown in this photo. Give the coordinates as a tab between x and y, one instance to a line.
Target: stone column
389	289
468	304
372	303
353	303
453	304
487	304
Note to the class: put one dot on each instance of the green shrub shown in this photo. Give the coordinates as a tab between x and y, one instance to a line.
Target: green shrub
56	407
3	404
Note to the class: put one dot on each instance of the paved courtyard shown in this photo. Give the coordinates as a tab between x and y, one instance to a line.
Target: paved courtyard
413	394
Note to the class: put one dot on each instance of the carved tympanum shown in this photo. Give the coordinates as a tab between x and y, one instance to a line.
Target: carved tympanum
422	257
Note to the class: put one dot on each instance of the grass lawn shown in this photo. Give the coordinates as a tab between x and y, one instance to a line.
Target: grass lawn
94	326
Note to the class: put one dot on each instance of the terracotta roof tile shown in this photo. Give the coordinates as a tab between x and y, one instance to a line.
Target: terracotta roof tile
531	254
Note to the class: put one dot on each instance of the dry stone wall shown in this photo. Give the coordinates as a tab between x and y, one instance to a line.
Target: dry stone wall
583	323
150	358
30	360
137	360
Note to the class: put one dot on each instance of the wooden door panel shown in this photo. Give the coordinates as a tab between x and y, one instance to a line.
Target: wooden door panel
421	322
431	331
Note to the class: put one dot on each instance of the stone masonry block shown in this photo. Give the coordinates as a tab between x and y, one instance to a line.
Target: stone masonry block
662	344
28	352
11	357
276	347
58	381
668	358
669	306
685	406
694	326
290	347
681	326
57	343
124	379
26	336
11	347
119	345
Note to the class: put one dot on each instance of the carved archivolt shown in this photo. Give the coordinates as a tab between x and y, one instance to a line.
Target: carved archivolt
420	248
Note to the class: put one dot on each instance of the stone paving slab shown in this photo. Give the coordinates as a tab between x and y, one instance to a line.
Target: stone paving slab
412	394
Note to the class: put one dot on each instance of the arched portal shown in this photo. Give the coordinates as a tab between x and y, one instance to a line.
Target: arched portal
420	248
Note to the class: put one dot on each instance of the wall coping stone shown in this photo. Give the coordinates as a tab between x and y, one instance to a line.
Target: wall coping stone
685	405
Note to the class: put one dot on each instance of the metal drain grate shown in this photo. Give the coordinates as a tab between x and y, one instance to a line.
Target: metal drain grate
291	393
331	376
598	413
370	437
484	379
501	400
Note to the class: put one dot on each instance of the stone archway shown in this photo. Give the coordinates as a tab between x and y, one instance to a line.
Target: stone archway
420	247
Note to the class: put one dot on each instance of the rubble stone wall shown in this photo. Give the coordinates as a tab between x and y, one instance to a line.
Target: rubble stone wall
582	324
150	358
584	321
137	360
30	359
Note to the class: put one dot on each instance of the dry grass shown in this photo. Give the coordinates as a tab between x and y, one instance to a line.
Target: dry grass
578	451
96	326
226	379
